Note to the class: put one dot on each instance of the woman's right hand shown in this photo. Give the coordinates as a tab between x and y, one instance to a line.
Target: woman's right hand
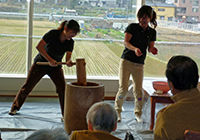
138	52
53	63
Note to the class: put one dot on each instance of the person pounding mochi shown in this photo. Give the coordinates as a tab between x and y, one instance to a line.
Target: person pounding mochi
52	47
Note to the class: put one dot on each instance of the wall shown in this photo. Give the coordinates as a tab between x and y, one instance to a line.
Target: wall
10	85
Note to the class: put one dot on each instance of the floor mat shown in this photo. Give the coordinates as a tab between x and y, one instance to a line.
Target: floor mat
41	113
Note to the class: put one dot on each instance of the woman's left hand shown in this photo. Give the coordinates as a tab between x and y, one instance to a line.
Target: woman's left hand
153	50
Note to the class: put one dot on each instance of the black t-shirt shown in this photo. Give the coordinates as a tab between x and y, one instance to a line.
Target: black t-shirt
54	47
141	40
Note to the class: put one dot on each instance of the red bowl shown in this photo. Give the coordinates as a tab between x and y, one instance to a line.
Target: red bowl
161	85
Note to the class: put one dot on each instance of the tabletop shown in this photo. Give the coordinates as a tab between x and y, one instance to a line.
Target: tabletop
167	94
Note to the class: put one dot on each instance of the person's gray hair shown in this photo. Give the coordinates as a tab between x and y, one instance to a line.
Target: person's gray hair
102	116
49	134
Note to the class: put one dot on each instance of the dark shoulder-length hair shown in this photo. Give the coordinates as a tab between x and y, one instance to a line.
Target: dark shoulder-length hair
71	25
148	10
182	71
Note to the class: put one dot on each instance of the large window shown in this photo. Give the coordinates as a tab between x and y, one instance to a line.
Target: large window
100	41
13	33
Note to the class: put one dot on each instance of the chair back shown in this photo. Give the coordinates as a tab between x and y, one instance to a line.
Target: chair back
191	135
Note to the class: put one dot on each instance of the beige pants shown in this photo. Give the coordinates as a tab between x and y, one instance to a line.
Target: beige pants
126	69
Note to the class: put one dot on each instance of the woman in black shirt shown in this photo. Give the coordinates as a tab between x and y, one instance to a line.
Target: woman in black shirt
52	48
138	37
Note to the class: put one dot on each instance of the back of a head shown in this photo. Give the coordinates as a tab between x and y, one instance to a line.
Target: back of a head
49	134
102	116
182	71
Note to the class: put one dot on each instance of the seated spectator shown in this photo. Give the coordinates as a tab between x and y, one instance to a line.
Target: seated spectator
184	114
101	121
49	134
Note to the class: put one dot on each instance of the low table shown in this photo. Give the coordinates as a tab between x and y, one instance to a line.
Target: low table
158	98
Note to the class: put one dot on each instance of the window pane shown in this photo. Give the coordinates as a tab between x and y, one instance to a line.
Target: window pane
159	9
100	41
181	10
101	55
167	45
195	3
195	10
13	32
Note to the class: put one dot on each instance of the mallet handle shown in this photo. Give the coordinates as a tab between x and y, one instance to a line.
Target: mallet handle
47	63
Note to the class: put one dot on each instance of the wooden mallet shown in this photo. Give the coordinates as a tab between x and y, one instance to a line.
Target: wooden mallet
80	70
47	63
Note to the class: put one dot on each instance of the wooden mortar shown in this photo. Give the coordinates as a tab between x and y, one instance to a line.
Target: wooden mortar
79	97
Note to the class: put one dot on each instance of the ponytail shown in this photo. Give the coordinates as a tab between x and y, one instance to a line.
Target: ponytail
62	25
153	19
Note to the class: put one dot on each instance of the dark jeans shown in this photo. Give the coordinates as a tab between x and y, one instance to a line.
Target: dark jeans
35	74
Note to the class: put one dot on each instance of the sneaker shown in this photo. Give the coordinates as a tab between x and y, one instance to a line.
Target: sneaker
12	112
119	117
138	119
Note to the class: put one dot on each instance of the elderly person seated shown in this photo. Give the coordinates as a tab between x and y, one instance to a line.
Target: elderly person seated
184	114
49	134
101	121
